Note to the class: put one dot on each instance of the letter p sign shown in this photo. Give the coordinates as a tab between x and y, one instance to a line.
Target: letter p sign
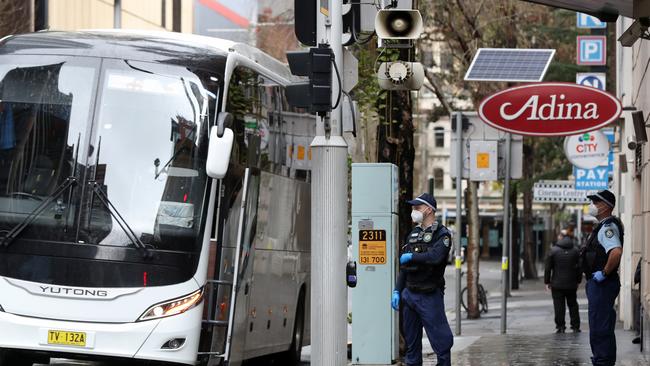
592	50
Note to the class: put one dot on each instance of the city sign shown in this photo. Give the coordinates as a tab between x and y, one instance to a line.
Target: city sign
587	150
592	79
592	50
549	109
587	21
559	191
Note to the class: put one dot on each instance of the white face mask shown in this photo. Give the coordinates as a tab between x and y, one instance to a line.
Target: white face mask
417	216
593	210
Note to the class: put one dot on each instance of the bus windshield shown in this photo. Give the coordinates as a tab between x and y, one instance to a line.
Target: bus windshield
133	136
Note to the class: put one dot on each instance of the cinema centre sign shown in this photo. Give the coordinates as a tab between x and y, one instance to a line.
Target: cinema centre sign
550	109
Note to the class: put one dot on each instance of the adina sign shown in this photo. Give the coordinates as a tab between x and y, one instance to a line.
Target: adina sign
549	109
587	150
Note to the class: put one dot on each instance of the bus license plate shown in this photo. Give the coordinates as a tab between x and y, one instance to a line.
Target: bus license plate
66	338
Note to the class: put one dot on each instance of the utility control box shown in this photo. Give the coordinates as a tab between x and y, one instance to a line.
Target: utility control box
375	328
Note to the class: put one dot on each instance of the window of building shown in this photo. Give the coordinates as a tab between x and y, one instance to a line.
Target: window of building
439	136
446	59
438	179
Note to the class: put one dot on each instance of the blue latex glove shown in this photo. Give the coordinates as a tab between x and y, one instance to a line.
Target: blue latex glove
394	301
405	258
599	276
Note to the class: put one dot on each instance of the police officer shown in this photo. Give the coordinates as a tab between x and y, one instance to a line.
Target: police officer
600	259
421	283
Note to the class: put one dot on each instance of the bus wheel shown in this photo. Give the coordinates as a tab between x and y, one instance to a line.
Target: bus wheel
8	358
292	356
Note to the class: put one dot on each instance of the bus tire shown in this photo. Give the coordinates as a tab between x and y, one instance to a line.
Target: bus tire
9	358
292	356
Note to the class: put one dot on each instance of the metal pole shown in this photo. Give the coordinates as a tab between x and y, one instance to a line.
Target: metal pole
329	217
117	14
578	230
459	211
506	238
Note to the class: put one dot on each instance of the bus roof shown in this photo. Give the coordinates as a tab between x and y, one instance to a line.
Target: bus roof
153	46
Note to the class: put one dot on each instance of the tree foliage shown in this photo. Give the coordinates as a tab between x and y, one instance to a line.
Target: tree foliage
463	26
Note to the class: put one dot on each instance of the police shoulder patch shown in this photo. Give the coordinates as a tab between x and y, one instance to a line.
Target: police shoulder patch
609	233
427	237
446	241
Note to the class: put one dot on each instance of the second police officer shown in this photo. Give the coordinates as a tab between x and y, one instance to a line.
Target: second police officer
600	259
420	285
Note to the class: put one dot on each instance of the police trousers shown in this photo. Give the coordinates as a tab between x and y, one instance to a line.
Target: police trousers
602	320
426	310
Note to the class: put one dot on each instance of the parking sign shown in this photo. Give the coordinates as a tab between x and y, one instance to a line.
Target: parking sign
592	79
589	22
592	50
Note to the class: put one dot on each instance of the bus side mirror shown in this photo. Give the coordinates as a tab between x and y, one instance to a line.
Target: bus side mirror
219	152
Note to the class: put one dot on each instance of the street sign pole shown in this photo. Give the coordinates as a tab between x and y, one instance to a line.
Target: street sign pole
329	212
505	260
459	211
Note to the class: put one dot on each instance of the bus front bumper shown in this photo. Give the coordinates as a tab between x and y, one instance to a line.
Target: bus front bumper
147	340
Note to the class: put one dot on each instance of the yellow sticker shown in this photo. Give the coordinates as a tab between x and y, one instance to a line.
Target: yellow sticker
458	263
372	247
504	263
301	152
483	160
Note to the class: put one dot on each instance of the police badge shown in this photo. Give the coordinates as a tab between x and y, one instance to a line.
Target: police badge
609	233
446	241
427	237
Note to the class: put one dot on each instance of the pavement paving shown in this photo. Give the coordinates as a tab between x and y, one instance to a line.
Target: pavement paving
530	338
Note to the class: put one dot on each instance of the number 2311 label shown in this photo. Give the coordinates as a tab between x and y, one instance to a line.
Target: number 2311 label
372	247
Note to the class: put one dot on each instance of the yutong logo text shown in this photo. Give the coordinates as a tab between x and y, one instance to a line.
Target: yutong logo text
73	291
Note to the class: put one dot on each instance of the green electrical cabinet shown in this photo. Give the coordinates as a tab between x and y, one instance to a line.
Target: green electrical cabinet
375	329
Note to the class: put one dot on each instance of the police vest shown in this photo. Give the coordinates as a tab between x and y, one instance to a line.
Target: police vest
423	277
593	255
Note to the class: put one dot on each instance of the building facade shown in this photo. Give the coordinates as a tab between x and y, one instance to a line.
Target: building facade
632	181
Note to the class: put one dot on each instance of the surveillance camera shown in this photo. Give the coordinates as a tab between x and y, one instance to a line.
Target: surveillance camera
631	143
639	127
638	29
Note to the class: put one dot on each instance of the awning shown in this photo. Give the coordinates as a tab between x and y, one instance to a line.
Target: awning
606	10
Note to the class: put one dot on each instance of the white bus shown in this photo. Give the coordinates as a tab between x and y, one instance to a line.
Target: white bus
115	243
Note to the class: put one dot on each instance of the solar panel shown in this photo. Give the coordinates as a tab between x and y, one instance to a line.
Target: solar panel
509	64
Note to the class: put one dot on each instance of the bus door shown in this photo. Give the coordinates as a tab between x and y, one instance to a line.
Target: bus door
239	213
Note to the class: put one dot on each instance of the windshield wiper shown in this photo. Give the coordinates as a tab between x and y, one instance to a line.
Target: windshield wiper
16	230
97	189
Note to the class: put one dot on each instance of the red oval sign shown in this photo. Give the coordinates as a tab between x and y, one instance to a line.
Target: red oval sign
549	109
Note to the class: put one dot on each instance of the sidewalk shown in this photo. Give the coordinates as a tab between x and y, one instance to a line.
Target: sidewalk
530	338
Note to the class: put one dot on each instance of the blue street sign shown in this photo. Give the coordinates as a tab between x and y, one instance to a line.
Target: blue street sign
588	21
591	179
610	160
592	50
592	79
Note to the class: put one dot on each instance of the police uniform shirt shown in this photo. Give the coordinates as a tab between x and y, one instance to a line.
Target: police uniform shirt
609	236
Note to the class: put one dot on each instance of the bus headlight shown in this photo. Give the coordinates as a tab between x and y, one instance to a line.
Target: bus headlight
173	307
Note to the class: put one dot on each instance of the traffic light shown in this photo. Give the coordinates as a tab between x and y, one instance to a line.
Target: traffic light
398	24
305	24
351	21
315	94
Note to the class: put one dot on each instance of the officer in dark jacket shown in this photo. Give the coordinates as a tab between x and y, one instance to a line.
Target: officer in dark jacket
421	283
600	259
562	275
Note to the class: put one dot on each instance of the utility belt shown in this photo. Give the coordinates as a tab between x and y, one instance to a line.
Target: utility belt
611	276
422	289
